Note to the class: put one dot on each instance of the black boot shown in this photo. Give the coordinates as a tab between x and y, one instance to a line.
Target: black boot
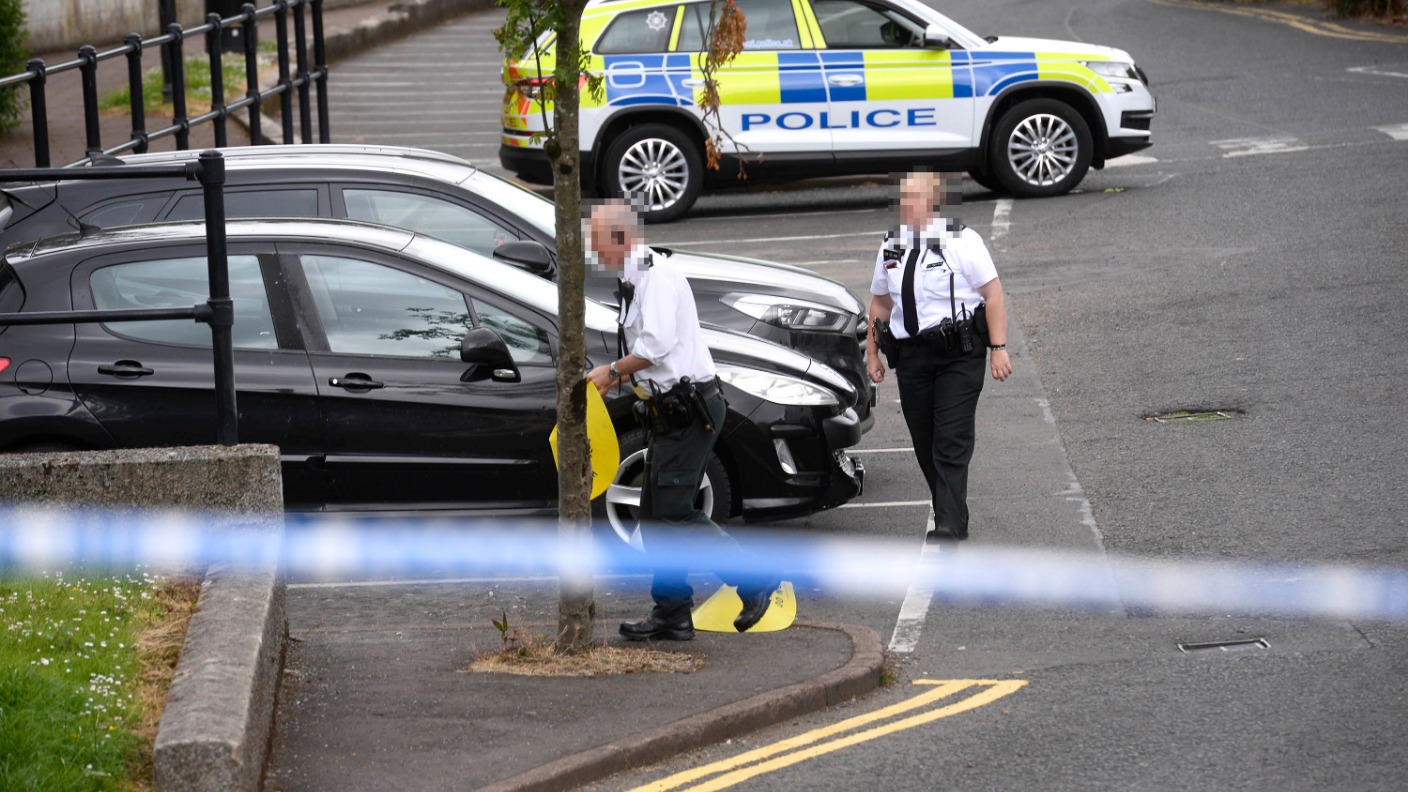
756	600
660	626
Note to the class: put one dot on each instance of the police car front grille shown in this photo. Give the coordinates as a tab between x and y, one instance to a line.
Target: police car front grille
1137	119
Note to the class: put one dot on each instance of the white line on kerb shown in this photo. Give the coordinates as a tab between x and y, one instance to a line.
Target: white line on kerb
916	600
1001	218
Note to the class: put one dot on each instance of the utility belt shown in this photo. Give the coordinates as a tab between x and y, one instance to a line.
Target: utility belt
677	407
944	338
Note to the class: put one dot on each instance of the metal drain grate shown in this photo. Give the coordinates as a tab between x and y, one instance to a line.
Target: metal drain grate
1239	645
1193	416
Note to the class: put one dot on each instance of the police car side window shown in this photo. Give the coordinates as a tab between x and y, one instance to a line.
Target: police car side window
647	30
772	25
848	24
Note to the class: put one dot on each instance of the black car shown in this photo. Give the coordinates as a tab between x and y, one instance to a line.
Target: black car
350	348
447	198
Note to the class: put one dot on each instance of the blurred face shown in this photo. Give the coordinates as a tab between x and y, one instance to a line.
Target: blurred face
613	234
919	200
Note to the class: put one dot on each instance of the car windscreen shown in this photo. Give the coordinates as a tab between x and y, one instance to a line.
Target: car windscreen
11	292
516	200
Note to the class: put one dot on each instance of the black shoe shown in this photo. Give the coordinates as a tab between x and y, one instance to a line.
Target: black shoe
755	603
658	627
945	535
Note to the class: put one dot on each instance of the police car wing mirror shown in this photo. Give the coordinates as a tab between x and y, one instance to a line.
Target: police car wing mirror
484	350
527	254
936	37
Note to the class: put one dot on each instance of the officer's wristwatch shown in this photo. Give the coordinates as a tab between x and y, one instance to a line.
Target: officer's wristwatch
615	375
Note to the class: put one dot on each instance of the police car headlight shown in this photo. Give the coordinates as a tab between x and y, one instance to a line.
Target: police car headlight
788	312
1121	70
777	388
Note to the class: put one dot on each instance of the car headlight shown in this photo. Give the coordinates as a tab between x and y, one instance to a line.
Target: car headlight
777	388
1122	70
788	312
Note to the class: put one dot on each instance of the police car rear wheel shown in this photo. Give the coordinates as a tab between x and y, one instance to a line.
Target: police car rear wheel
1040	147
620	506
657	164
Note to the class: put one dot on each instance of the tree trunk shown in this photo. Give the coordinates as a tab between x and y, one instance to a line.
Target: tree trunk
576	606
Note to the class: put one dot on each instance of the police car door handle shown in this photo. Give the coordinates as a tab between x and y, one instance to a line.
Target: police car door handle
692	83
845	79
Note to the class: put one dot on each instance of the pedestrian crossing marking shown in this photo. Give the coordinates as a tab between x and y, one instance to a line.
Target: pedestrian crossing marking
828	739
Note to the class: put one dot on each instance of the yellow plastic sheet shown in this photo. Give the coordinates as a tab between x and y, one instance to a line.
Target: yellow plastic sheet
717	613
601	435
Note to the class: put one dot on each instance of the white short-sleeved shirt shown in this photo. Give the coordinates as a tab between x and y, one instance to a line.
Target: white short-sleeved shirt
962	253
662	322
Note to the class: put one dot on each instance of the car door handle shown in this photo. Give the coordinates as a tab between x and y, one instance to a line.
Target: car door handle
125	369
355	381
845	79
692	83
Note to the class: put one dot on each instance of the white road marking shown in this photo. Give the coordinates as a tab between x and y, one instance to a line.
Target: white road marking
1397	132
1001	218
896	450
882	504
1246	147
915	609
1378	71
772	239
1130	159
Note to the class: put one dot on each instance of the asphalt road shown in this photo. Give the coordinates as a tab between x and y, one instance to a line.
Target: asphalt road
1252	260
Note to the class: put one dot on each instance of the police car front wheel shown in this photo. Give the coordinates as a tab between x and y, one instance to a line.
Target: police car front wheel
1040	147
657	166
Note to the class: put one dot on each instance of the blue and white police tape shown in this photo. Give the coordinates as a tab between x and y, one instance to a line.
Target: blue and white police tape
343	548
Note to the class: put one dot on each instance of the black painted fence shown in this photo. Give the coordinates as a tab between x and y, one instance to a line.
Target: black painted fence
172	44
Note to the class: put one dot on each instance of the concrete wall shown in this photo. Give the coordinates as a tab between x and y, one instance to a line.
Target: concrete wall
69	24
214	732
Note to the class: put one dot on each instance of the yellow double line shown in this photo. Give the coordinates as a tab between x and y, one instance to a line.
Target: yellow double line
1314	26
819	742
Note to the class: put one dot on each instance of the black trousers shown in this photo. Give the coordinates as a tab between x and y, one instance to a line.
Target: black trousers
678	534
939	396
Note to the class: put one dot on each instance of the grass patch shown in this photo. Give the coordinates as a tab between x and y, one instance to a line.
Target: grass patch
197	87
84	666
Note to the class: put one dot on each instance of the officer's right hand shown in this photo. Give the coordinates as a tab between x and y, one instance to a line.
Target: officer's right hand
875	368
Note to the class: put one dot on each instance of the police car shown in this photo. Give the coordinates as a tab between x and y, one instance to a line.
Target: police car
833	87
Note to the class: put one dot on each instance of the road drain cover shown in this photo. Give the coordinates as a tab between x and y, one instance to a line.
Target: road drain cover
1193	416
1240	645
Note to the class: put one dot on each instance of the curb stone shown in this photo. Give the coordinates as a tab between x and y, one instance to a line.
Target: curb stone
860	675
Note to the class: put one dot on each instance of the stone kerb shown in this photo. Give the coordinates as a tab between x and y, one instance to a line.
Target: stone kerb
214	732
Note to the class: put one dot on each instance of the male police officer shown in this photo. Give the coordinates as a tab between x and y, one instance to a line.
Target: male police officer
671	368
936	295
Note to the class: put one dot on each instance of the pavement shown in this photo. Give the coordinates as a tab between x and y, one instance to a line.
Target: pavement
374	692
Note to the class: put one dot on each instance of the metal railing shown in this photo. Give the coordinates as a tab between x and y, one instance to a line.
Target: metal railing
218	311
172	42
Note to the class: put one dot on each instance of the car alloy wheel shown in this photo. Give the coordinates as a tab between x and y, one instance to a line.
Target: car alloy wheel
1040	147
1042	150
623	496
658	167
656	171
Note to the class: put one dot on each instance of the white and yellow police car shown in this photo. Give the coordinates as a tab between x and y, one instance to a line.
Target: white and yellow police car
829	87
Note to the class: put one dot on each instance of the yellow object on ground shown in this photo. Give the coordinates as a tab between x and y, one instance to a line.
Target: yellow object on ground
601	435
718	612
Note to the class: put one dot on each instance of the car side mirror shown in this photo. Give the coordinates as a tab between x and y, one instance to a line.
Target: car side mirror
527	254
936	38
483	348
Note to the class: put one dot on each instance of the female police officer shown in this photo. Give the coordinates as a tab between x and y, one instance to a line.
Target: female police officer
666	359
936	287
